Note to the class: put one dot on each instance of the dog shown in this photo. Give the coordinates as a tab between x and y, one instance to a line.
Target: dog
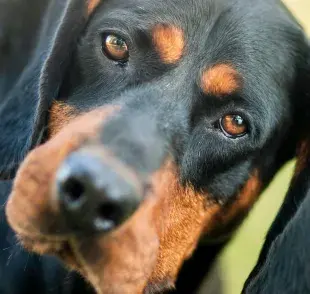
283	264
140	134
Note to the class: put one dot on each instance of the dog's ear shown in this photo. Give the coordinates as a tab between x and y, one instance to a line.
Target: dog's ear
302	96
288	220
23	112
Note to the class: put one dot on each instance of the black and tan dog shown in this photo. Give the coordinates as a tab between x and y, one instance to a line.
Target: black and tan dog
159	124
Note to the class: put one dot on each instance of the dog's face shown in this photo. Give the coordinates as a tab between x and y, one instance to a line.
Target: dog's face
174	119
201	69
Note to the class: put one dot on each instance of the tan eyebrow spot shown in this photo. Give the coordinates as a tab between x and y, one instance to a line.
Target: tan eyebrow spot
169	43
221	79
91	6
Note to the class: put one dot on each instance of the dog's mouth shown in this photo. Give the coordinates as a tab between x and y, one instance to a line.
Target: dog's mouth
147	249
121	261
91	255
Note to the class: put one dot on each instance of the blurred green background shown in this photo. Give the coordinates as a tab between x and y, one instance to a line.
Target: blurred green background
240	256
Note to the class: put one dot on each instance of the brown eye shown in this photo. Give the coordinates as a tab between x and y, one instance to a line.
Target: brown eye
233	125
115	48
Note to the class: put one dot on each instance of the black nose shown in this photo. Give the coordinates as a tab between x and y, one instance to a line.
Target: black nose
94	196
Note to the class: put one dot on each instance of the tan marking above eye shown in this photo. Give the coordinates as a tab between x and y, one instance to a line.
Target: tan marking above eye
220	80
233	125
115	48
169	42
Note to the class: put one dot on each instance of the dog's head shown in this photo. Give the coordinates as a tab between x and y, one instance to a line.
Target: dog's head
170	119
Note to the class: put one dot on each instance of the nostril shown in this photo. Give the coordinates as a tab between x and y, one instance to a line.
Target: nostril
93	196
109	215
110	212
73	191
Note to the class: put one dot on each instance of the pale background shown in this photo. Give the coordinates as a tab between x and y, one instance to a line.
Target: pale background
241	255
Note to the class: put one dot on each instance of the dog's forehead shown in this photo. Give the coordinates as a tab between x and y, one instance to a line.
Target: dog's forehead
254	38
199	23
184	10
167	11
225	27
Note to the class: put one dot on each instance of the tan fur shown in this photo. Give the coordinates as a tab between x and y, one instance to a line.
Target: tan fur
237	210
29	204
149	248
60	115
169	43
92	5
303	157
220	80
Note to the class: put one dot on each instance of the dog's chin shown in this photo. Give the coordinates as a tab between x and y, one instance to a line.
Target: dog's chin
121	261
65	250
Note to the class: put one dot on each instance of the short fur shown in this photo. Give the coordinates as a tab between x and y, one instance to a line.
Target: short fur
166	127
283	265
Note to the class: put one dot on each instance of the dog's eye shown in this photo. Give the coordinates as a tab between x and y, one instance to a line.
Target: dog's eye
233	125
115	48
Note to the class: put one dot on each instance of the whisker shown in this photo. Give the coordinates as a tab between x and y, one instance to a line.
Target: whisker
26	262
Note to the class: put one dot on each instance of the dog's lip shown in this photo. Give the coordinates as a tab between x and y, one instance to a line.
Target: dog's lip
40	237
58	246
47	244
43	238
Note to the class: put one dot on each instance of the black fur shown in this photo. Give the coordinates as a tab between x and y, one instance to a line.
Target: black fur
283	264
259	38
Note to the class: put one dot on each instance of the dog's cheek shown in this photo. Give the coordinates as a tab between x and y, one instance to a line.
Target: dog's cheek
28	209
184	215
232	214
180	216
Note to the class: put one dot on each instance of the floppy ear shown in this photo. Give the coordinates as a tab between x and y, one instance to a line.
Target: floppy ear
290	220
23	112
